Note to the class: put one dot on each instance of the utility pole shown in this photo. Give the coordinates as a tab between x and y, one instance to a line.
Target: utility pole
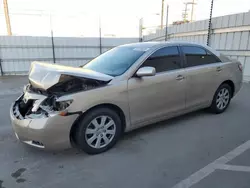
192	11
185	13
140	29
162	12
7	17
100	34
166	31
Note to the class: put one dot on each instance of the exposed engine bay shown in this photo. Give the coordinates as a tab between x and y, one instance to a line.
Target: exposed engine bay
40	103
68	84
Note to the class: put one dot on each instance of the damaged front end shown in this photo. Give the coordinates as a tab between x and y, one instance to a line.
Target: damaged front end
34	106
41	97
39	103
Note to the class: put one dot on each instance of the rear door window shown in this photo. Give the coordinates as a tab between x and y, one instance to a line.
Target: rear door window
196	56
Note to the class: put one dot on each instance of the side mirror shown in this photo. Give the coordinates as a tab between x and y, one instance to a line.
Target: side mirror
146	71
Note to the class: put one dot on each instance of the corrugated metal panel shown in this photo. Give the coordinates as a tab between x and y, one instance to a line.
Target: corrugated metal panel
246	19
223	38
76	52
248	46
236	41
229	41
232	20
18	52
68	41
225	21
173	30
217	41
239	19
205	39
218	22
247	69
26	53
244	40
200	39
189	27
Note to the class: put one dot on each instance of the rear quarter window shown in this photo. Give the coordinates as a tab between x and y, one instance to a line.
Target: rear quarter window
224	58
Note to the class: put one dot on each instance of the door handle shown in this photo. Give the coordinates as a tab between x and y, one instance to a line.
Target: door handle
218	69
179	77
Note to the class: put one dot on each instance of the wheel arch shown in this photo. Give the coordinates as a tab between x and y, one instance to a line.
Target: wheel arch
114	107
231	84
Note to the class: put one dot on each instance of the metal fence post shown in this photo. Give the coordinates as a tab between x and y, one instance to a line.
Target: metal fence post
100	34
1	69
100	39
166	29
53	47
140	29
210	23
52	38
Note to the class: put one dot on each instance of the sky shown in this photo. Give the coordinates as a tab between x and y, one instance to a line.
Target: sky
119	18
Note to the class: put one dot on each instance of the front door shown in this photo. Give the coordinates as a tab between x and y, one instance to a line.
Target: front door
154	97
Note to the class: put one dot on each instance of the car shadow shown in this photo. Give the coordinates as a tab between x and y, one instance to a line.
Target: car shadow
129	136
175	121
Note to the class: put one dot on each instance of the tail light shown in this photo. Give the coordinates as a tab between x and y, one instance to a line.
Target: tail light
240	67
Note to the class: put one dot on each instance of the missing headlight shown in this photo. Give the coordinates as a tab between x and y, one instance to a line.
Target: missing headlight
62	105
51	104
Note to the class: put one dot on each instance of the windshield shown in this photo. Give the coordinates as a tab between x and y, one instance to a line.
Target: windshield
115	61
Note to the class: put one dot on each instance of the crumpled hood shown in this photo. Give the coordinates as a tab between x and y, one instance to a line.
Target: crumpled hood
44	75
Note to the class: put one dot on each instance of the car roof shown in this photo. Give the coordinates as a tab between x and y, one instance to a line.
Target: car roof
157	44
141	44
153	44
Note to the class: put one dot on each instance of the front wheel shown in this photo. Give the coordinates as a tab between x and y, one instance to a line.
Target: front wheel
222	98
98	130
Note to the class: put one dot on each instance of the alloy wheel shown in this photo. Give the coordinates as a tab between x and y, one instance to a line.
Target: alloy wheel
222	98
100	131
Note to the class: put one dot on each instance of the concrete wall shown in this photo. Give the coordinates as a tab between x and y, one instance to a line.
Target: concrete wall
230	35
17	52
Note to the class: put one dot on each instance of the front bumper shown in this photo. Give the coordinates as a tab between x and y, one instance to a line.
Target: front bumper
50	133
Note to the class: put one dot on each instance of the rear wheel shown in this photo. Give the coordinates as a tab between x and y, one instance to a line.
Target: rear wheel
222	98
98	131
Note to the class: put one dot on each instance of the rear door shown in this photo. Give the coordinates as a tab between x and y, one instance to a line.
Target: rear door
203	71
154	97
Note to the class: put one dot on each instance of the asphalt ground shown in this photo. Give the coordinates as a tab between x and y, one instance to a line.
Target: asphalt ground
197	150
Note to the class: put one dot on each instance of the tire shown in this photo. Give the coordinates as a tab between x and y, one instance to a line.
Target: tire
219	104
95	128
